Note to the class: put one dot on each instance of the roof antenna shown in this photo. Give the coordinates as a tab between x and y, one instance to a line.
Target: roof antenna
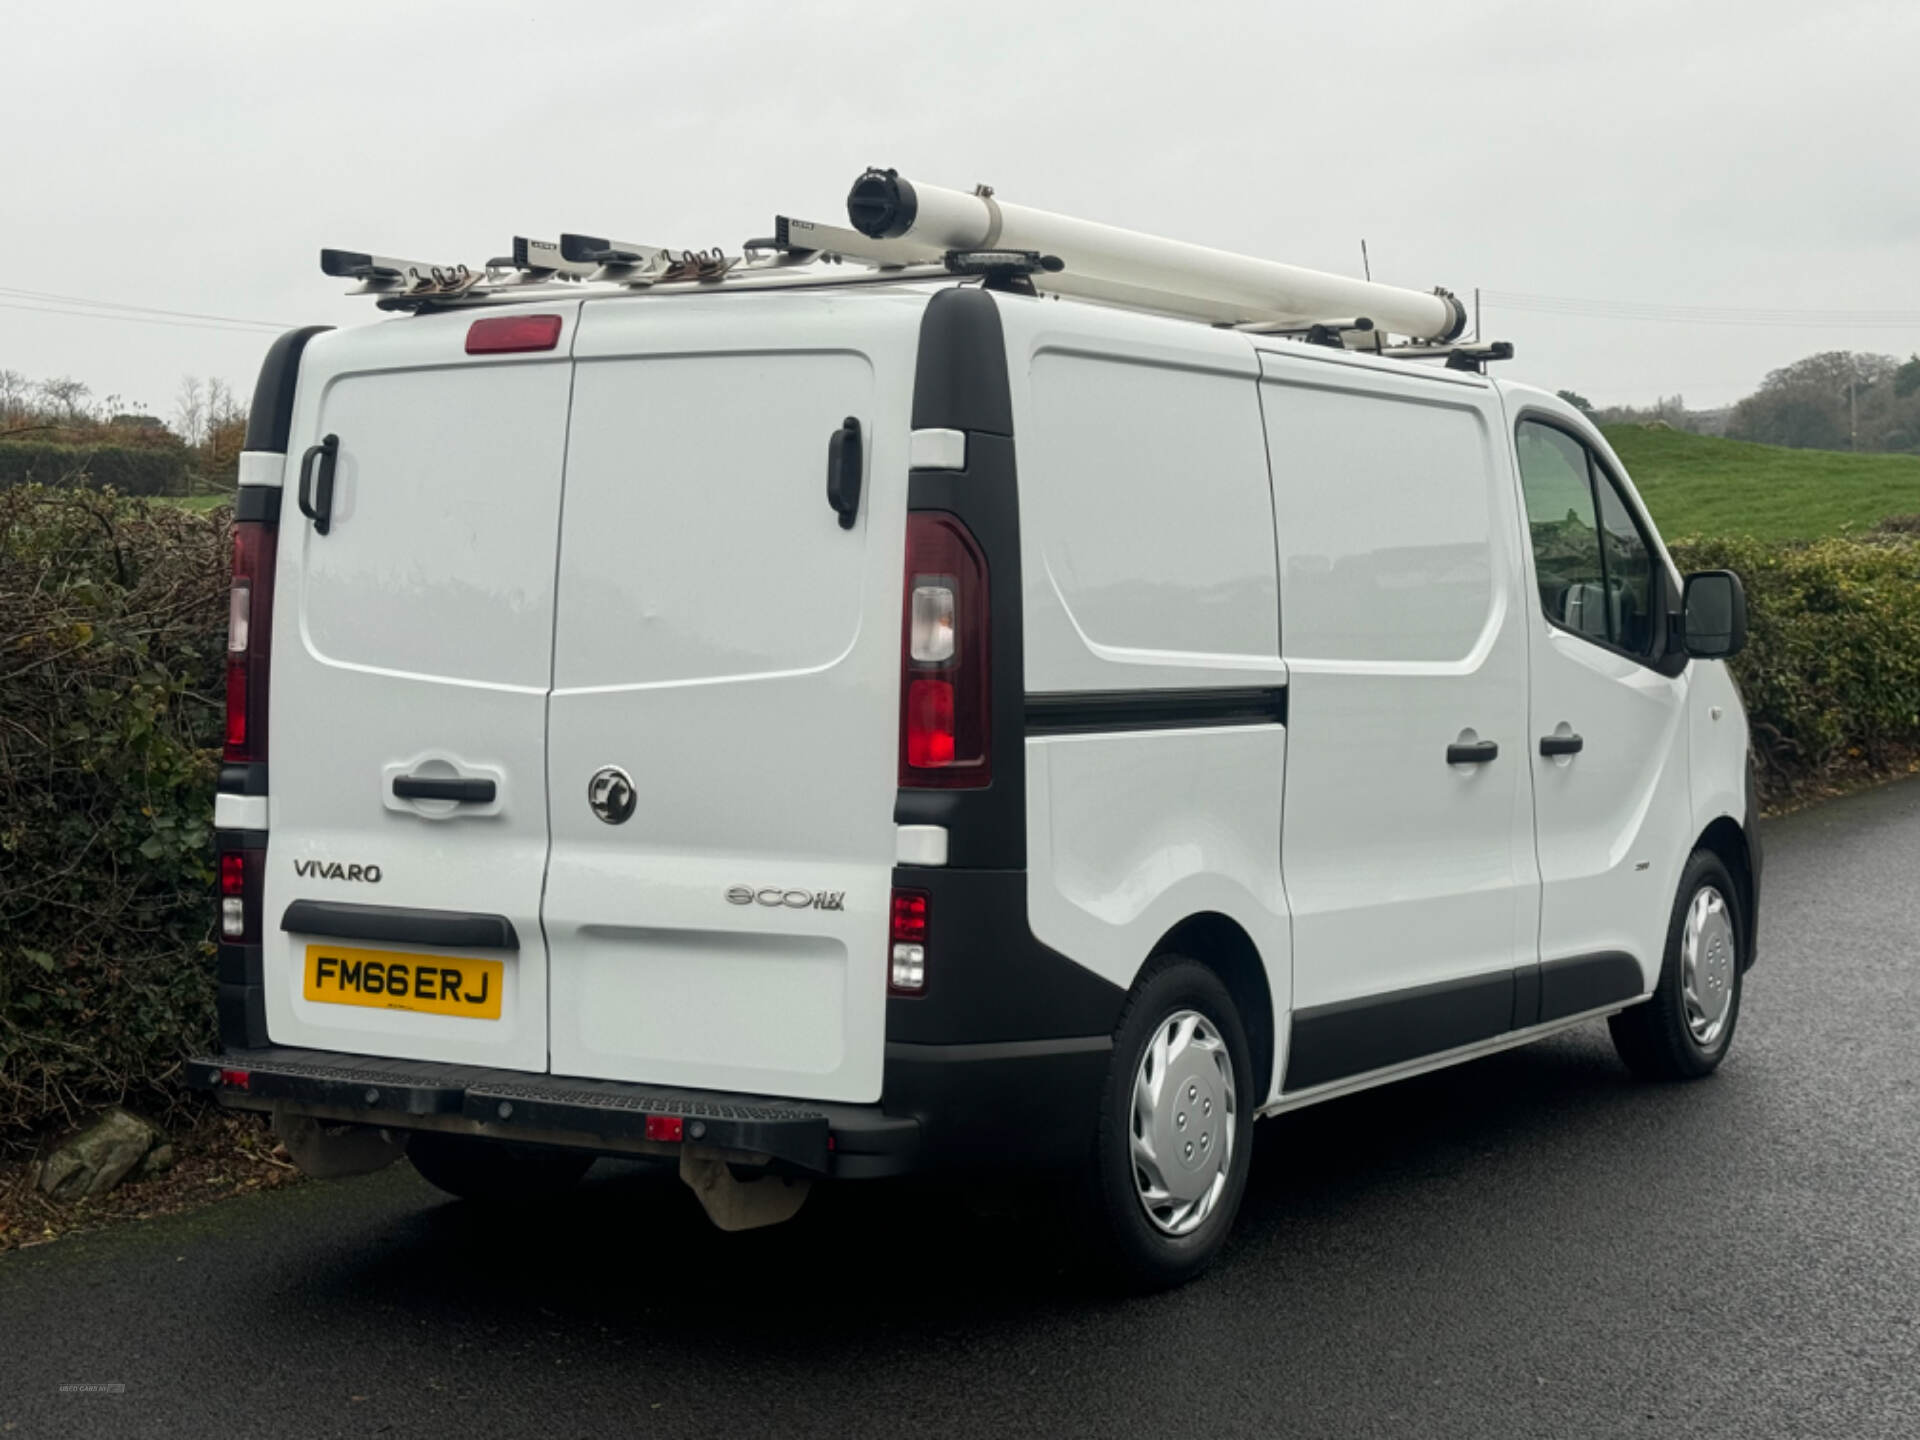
1366	266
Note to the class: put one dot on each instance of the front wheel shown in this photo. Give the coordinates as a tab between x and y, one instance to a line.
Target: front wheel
1174	1139
1683	1030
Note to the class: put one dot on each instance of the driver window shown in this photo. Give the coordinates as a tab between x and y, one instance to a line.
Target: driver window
1566	536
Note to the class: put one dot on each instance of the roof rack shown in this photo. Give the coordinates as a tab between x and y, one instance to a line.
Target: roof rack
898	230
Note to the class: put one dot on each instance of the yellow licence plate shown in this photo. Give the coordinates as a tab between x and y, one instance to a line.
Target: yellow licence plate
392	980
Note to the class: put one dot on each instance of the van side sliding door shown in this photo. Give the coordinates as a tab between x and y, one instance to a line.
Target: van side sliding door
1408	841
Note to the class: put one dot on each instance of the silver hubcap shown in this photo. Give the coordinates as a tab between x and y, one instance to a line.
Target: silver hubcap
1707	965
1183	1123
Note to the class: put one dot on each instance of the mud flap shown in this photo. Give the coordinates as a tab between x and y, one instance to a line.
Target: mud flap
735	1204
327	1151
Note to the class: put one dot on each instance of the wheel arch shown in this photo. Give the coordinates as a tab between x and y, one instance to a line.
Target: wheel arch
1728	839
1221	944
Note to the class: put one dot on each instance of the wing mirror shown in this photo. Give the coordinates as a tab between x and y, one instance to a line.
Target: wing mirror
1713	615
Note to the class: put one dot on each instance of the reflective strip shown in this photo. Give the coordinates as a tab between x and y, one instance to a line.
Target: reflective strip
937	450
262	467
239	812
920	845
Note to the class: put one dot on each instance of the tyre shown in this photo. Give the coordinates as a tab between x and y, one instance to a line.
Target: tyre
1682	1032
491	1171
1175	1129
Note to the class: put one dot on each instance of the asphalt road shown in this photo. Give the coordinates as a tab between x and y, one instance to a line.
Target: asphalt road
1533	1245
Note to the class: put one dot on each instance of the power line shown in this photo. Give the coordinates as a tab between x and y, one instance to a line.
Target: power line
49	303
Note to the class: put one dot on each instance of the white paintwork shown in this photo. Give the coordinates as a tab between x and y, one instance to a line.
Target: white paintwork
1717	745
240	812
1129	834
920	845
1400	604
420	628
937	449
737	652
1616	822
263	468
1146	544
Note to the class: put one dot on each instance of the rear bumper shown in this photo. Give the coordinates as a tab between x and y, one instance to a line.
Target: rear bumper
1030	1103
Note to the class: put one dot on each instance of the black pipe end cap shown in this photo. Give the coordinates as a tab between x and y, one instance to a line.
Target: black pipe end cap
881	205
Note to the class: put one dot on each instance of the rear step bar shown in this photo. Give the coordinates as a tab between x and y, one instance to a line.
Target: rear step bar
828	1139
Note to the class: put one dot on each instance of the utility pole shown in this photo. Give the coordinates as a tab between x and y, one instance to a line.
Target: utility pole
1476	314
1853	417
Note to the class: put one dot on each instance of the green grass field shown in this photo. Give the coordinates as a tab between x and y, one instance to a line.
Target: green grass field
1696	485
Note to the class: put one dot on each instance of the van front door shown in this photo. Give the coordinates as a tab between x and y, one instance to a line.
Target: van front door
1609	755
1407	847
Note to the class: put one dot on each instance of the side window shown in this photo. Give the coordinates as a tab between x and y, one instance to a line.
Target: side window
1594	565
1566	536
1629	570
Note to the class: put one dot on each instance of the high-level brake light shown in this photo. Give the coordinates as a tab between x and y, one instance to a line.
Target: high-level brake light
945	690
513	334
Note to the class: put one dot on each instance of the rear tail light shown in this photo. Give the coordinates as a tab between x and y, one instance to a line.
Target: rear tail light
249	640
907	970
945	710
240	895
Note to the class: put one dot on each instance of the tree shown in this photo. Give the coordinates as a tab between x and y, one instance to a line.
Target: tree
190	410
1906	380
1820	403
1576	400
66	398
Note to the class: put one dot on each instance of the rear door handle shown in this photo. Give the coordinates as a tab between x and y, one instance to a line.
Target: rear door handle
1478	753
317	504
1551	745
843	471
462	790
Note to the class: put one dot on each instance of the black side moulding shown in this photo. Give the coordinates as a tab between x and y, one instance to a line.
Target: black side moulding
270	420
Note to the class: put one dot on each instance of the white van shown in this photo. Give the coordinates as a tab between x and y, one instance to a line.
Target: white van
836	725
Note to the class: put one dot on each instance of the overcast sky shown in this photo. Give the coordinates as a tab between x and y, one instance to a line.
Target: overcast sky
1754	154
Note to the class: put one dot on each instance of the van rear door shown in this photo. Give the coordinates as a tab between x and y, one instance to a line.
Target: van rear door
412	656
729	651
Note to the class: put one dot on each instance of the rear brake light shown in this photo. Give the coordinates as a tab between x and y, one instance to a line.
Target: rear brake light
907	958
240	894
513	334
945	682
249	640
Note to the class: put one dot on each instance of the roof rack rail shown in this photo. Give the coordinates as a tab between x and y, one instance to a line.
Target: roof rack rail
899	230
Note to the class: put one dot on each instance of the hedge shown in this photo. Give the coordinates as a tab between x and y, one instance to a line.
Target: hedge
112	631
112	639
129	469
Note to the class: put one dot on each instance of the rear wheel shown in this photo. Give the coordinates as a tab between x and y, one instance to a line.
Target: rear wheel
1174	1139
491	1171
1682	1032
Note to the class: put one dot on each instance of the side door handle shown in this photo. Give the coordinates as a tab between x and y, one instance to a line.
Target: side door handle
843	471
315	495
1552	745
1478	753
462	790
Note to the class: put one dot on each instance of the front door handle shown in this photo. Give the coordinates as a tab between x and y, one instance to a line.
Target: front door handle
1552	745
461	789
1477	753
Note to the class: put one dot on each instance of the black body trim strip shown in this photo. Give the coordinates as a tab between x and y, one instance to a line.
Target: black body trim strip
1586	982
1083	712
1353	1037
452	929
257	502
247	779
270	417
